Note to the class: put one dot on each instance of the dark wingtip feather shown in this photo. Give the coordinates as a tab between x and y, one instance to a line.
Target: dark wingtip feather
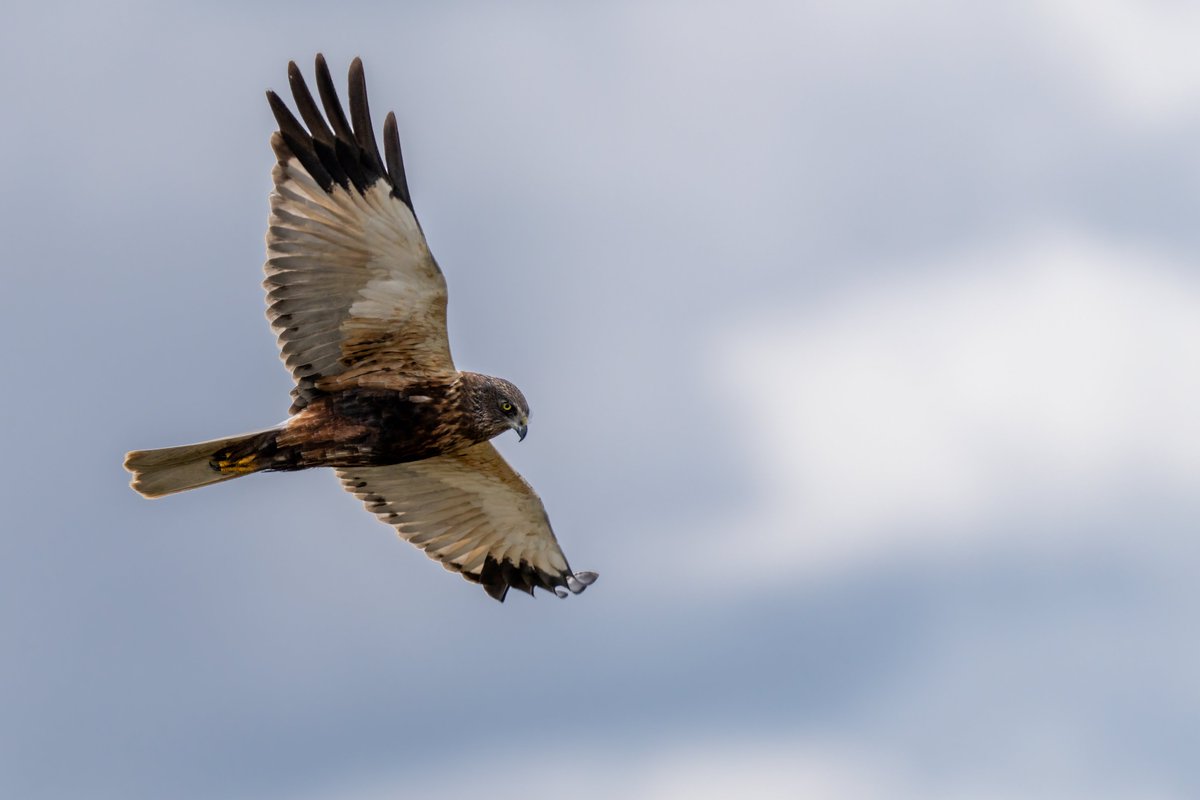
395	161
331	102
360	115
275	102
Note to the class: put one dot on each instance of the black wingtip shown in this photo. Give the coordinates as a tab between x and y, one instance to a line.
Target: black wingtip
360	117
329	99
334	148
308	107
395	160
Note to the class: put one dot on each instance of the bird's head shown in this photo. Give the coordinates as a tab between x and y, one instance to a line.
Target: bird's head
498	405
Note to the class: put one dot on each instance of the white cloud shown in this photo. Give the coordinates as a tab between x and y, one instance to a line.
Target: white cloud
765	768
1142	54
776	768
1042	377
781	768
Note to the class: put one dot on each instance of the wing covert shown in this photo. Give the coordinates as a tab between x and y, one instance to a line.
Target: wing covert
472	512
353	292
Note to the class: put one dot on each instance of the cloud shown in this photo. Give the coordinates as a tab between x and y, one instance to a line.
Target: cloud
765	768
1048	375
1141	55
776	768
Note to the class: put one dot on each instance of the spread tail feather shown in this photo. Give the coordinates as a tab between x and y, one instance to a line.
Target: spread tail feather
176	469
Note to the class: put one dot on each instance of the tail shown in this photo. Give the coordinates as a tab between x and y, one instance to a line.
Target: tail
176	469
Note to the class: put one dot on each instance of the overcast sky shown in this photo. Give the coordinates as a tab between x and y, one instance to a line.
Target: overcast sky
863	346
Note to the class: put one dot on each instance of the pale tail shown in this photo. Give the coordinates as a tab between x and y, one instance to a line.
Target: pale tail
176	469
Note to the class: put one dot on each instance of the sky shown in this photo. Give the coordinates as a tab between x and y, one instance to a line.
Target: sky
863	347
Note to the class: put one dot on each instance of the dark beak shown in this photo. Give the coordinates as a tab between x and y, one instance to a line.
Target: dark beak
521	431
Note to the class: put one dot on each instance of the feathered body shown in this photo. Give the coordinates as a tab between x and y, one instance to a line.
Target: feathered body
376	427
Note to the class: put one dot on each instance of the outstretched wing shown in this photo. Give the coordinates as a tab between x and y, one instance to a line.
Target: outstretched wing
353	292
471	511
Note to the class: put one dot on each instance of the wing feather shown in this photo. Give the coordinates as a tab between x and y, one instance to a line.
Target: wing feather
360	113
472	512
395	161
353	293
329	99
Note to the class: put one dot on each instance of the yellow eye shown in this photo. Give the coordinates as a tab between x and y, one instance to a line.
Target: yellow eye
505	405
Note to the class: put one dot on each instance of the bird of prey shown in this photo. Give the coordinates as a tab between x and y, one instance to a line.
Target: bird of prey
359	306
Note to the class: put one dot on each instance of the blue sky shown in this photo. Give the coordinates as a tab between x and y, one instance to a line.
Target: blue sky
861	345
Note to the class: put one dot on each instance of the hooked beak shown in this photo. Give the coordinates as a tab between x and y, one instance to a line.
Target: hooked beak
521	430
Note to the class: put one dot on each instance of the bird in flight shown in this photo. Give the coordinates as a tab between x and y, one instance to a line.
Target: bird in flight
359	307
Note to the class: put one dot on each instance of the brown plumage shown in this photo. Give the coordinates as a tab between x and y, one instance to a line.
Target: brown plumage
359	307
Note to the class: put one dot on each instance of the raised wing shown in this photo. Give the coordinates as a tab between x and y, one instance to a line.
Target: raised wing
471	511
353	292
